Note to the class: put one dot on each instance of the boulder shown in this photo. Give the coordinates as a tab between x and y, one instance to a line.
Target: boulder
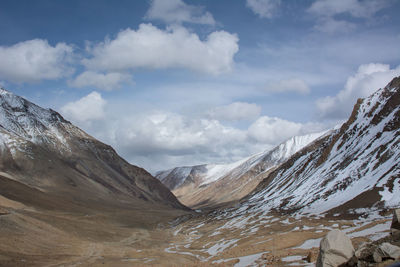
365	252
335	249
311	256
386	251
395	227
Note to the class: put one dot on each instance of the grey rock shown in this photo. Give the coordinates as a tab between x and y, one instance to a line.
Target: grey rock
335	249
385	251
395	227
362	250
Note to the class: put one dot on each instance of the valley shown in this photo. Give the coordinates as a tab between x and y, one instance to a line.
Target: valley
66	199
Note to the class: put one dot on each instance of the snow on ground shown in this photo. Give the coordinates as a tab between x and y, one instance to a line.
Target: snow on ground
220	247
374	233
310	243
248	260
292	258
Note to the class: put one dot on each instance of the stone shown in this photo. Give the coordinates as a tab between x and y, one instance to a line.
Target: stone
386	251
361	251
395	227
311	256
365	252
377	256
335	249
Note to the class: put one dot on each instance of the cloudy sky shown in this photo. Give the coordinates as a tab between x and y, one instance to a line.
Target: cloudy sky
183	82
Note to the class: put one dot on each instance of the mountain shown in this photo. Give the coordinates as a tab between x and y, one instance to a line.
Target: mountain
62	192
349	170
44	151
211	185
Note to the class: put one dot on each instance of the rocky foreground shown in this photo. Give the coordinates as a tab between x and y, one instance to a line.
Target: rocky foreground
336	249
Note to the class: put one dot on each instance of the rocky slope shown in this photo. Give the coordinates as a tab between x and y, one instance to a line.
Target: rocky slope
352	168
211	185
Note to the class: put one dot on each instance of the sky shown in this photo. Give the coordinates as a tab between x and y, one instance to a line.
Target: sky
182	82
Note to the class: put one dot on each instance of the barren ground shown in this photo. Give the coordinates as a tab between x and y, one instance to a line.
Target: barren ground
31	237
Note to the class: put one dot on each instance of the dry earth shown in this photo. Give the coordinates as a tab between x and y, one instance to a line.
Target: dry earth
32	237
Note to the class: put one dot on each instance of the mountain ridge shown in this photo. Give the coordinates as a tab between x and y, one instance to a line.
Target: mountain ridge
194	184
353	167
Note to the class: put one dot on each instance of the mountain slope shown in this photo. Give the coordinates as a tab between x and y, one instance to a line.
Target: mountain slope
356	166
42	150
213	184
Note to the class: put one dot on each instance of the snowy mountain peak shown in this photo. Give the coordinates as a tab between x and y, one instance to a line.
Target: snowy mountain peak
286	149
23	118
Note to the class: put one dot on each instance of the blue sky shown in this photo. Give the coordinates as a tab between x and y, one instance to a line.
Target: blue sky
179	82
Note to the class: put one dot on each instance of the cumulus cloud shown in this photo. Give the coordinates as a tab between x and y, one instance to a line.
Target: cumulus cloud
34	60
160	140
175	47
289	85
177	11
235	111
170	133
327	10
272	130
178	140
88	108
108	82
368	79
263	8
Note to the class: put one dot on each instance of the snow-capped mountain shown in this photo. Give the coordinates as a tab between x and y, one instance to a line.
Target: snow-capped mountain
354	167
212	184
40	149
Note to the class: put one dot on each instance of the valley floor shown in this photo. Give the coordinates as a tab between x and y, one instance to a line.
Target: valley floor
32	238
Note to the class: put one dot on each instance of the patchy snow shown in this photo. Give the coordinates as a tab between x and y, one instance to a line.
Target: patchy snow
310	243
363	157
374	233
221	246
248	260
292	258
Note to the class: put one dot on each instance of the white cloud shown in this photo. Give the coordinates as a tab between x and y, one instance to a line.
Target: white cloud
172	133
289	85
235	111
272	130
177	11
368	79
34	60
175	47
356	8
326	10
108	82
90	107
263	8
161	140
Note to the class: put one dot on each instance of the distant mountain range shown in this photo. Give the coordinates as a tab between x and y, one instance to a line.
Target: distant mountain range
211	185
